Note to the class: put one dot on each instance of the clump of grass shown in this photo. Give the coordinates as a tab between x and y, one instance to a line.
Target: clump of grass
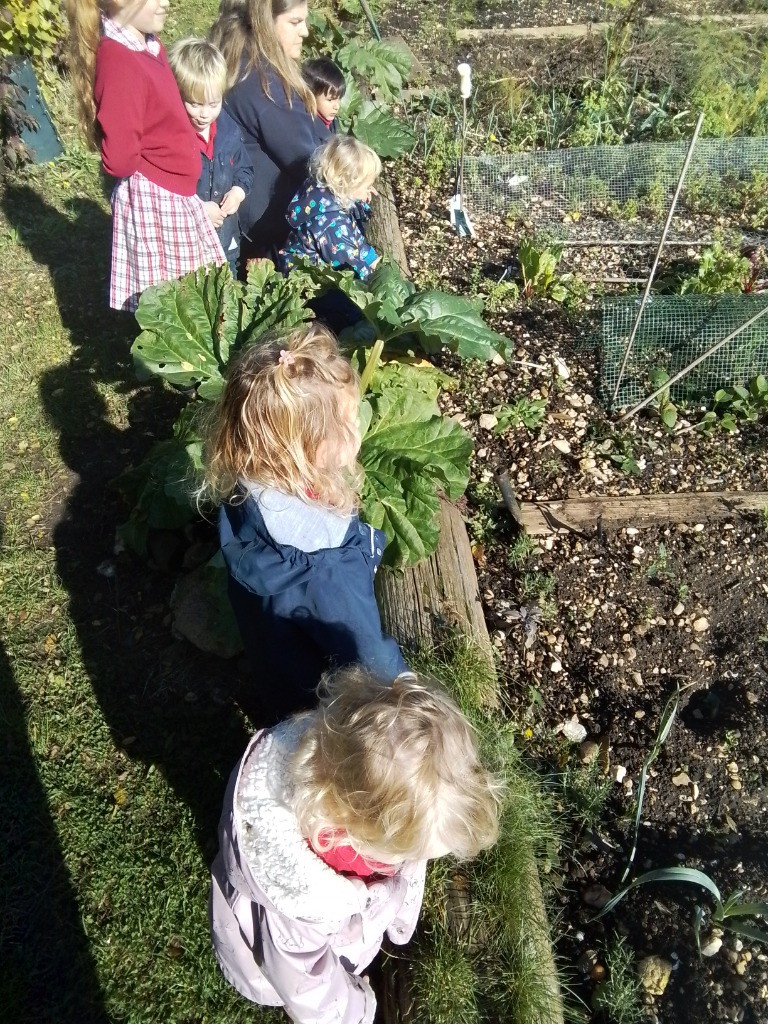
444	982
521	549
584	789
496	965
617	999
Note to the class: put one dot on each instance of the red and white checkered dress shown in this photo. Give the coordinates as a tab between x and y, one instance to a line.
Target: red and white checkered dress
157	235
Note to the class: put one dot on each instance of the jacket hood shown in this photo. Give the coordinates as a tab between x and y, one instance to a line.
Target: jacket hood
290	875
273	568
312	202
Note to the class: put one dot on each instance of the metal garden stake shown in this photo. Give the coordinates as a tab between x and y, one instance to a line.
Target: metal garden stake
459	218
662	240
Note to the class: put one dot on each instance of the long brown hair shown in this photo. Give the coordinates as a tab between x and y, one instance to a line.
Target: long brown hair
246	28
84	18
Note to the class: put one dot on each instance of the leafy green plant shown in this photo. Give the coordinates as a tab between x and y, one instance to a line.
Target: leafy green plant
525	412
737	405
374	124
538	272
664	405
618	450
501	295
723	913
192	327
719	271
31	28
658	567
617	998
521	549
384	66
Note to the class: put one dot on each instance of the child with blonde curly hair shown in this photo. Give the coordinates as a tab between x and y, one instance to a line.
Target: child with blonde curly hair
328	213
281	457
328	821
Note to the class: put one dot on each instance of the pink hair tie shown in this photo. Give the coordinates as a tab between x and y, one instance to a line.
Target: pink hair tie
286	358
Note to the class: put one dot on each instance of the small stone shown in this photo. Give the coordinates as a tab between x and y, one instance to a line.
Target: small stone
712	945
573	730
562	445
487	421
701	625
596	896
631	531
678	609
681	780
736	784
619	772
588	751
653	974
556	666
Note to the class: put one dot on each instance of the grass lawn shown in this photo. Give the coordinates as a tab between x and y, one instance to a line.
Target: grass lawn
116	739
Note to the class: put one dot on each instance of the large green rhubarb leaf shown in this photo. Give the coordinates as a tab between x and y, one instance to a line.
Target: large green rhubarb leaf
442	319
410	454
192	327
188	327
387	135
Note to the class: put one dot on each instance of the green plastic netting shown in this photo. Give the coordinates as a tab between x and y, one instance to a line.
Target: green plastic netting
675	330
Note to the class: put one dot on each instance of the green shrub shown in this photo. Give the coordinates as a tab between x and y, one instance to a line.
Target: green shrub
31	28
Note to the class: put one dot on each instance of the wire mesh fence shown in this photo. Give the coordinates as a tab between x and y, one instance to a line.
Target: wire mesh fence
628	188
673	331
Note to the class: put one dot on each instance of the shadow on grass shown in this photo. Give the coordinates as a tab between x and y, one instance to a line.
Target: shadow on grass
48	975
171	701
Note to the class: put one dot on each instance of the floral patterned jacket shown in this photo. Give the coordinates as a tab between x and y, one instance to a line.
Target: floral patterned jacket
326	231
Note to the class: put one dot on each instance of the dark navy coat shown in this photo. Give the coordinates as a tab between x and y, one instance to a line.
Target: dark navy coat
279	138
327	232
230	166
301	613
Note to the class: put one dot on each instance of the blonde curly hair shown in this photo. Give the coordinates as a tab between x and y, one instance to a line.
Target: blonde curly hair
343	164
392	770
286	402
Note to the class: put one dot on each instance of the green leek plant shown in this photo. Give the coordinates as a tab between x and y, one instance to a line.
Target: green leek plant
727	913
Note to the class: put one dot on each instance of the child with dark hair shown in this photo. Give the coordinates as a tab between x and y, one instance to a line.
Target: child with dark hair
327	84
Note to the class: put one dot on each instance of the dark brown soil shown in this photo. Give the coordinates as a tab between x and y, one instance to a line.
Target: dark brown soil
614	624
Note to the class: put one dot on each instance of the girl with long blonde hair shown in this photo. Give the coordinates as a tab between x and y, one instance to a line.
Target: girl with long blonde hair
131	108
328	822
281	457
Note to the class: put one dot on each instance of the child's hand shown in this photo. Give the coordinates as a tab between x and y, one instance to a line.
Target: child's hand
215	216
231	201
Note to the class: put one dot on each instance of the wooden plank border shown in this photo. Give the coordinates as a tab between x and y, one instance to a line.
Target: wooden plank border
583	515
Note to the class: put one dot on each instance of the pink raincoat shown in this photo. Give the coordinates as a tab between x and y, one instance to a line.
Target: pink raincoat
288	930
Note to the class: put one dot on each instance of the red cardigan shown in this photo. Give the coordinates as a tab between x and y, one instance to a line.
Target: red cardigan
143	121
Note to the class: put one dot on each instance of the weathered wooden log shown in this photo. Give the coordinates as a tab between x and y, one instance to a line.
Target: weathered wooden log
383	230
582	515
417	606
439	596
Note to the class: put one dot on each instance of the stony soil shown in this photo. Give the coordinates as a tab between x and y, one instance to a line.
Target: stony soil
597	631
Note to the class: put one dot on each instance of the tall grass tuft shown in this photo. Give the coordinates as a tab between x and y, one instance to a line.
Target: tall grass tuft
484	950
